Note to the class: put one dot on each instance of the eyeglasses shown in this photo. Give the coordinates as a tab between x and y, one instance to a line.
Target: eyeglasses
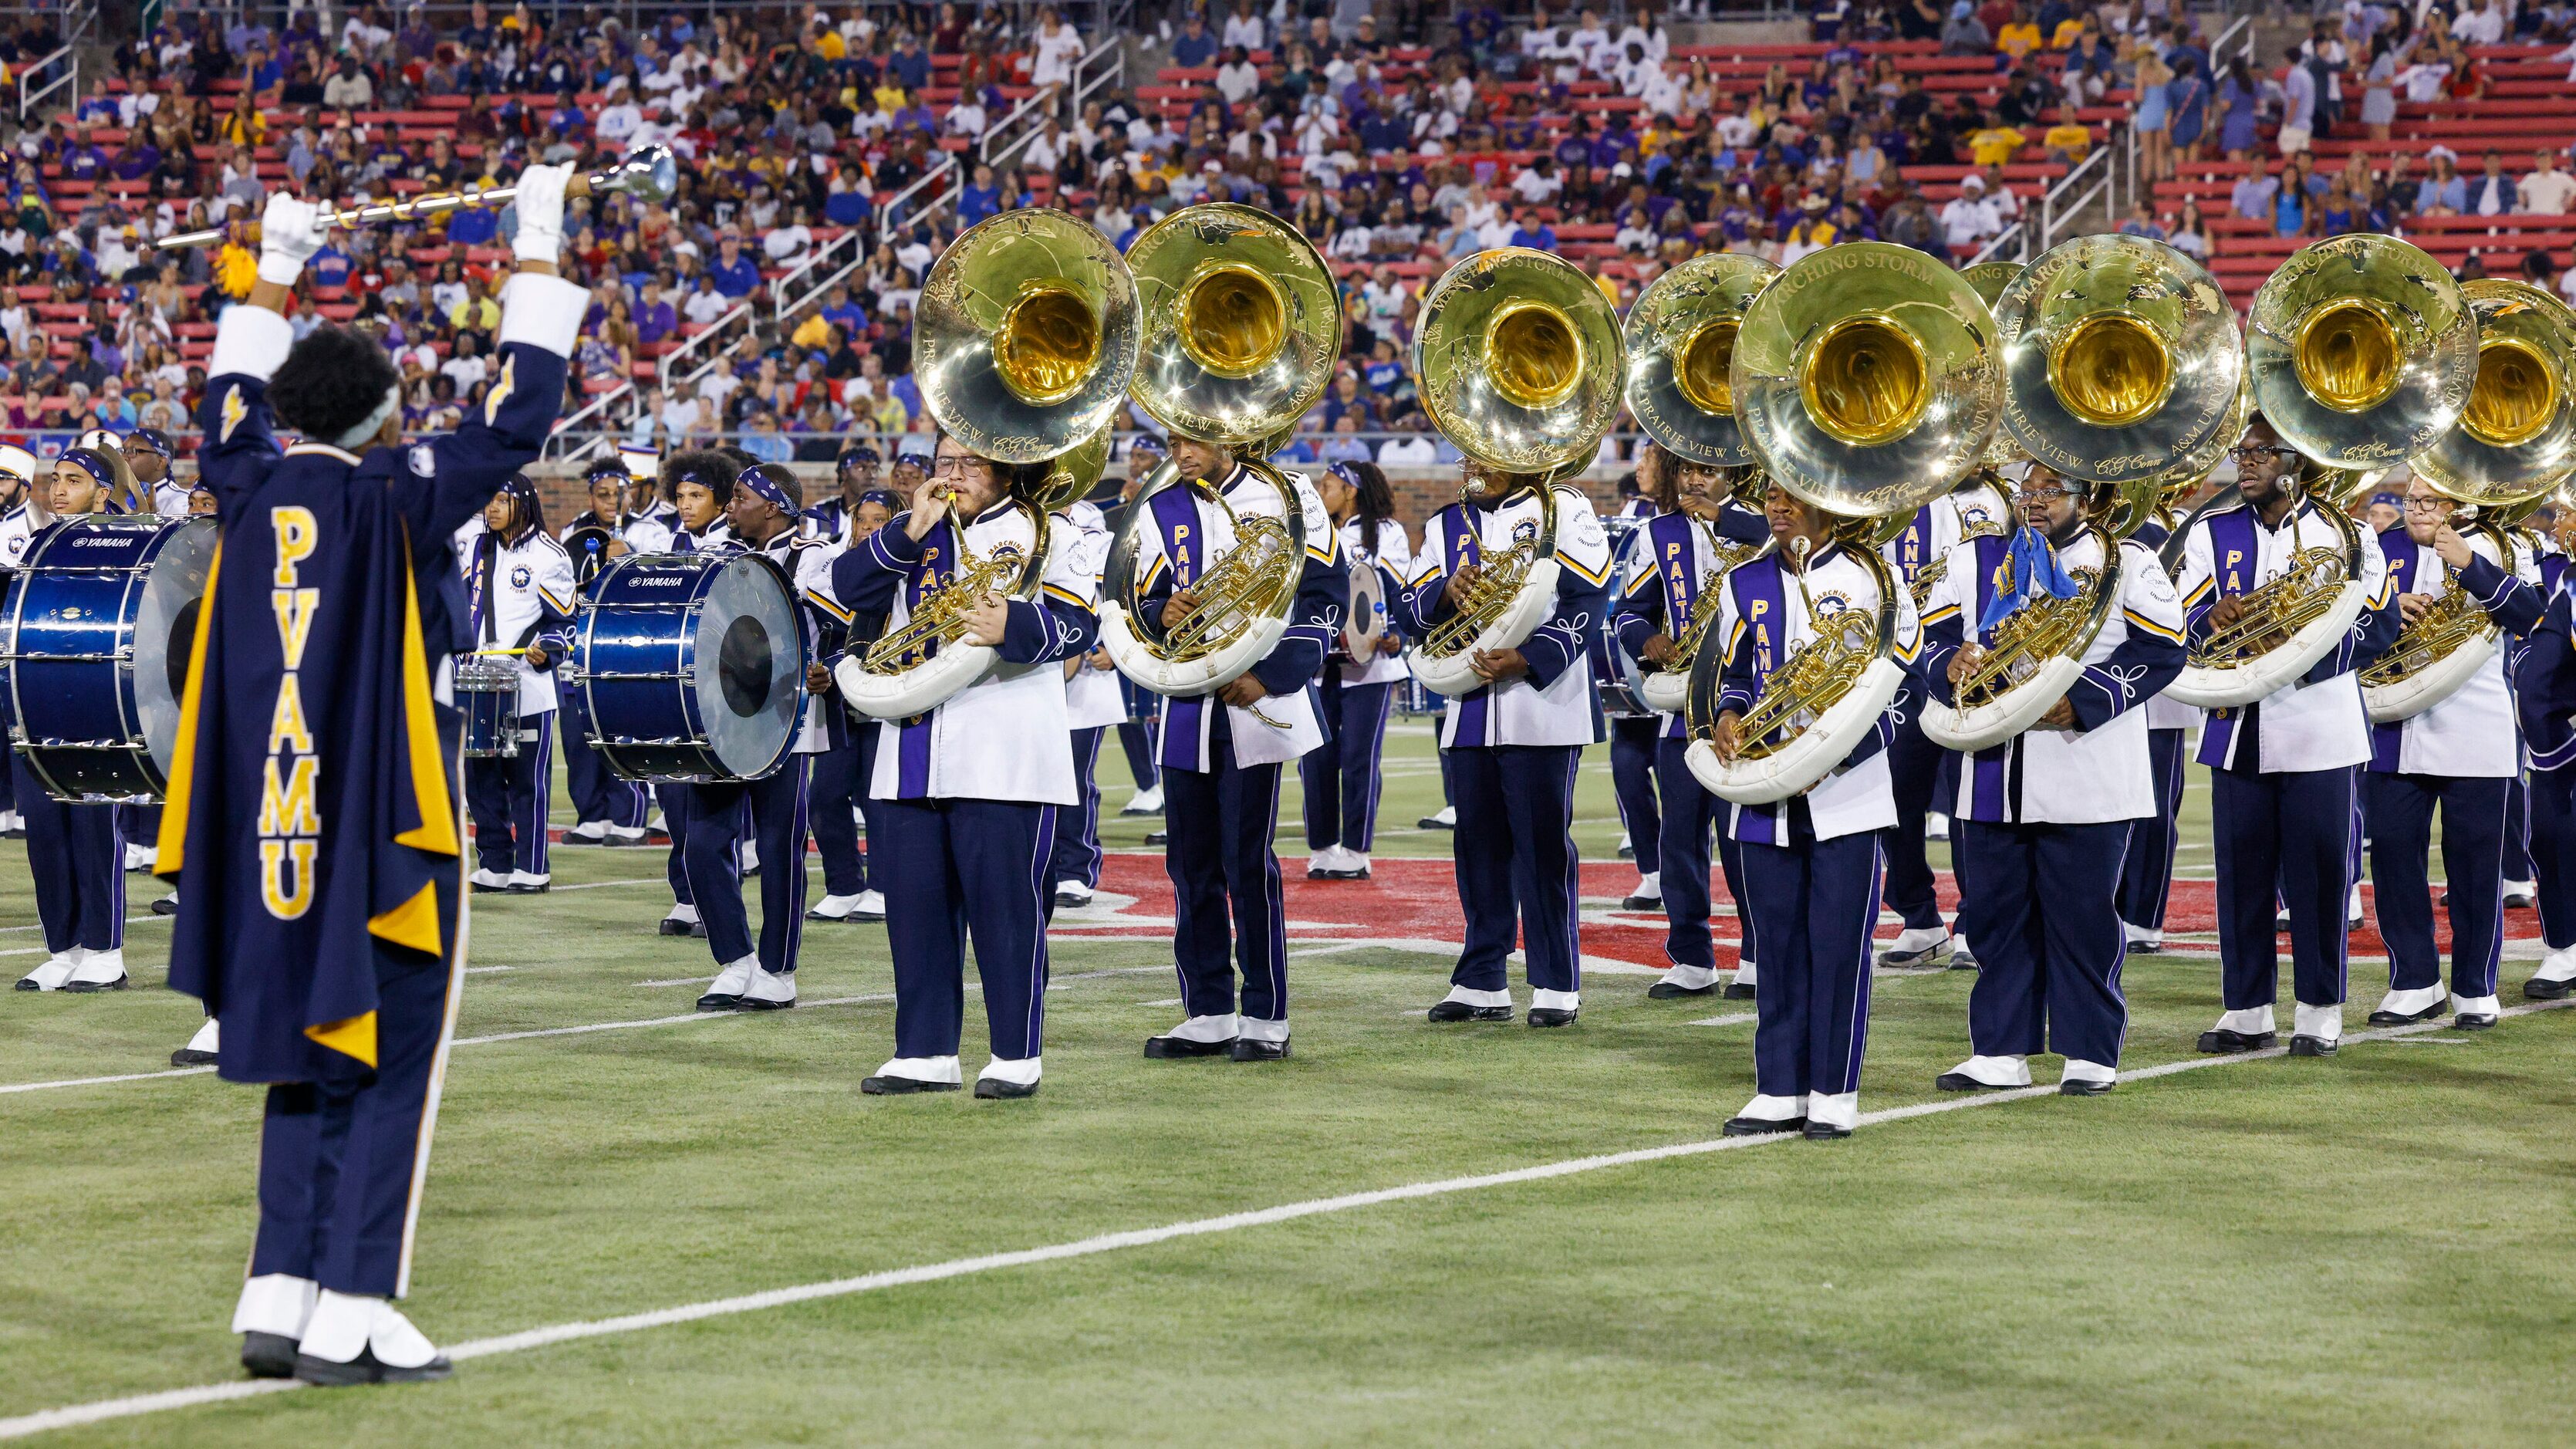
954	465
2255	452
2427	505
2044	495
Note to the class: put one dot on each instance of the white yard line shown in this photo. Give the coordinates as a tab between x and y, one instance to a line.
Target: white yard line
104	1410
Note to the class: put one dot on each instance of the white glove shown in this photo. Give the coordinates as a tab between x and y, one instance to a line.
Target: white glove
540	207
290	232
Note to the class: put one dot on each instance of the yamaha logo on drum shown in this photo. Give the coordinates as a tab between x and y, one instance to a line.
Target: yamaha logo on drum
661	581
99	543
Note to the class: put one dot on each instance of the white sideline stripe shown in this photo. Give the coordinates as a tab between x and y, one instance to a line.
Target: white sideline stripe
147	918
1737	1018
107	1409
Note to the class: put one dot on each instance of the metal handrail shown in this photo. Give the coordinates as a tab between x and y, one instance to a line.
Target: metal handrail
567	430
786	283
665	365
28	100
2051	204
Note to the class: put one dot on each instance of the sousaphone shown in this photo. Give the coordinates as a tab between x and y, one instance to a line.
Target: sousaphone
1522	367
1024	342
1241	325
2120	356
1865	381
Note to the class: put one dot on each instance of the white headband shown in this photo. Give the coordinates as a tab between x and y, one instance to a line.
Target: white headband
375	422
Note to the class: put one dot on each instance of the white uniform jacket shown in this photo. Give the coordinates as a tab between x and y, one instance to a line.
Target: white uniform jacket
1092	698
17	528
2097	770
1668	560
1969	510
1391	554
1181	534
520	593
1004	737
1555	702
1763	623
650	531
2472	734
2316	722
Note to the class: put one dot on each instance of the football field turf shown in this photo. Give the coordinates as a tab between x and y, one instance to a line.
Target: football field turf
1400	1235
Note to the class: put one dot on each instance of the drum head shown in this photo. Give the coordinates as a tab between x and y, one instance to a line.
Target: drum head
165	632
1367	617
749	662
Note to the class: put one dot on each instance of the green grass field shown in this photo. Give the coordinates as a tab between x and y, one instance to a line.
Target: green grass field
2370	1249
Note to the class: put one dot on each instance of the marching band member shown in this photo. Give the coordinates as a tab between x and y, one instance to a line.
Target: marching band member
1093	703
1632	737
311	809
607	808
1341	776
1144	723
2543	668
837	790
1695	511
147	456
854	476
1811	862
2458	756
75	852
970	793
519	582
1515	743
1220	757
2281	769
2041	822
761	510
2146	877
698	484
17	527
1917	767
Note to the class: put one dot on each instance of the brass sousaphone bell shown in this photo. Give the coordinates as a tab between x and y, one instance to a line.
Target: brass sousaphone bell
2120	356
1521	365
1241	324
1024	340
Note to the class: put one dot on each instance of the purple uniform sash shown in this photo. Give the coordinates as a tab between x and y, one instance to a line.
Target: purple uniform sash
912	740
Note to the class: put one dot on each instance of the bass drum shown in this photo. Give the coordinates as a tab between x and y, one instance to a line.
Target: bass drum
692	666
98	627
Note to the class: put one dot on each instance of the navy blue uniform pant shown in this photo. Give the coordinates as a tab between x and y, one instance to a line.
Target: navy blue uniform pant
1632	782
1077	830
2473	850
2517	830
834	783
2553	854
77	856
955	869
674	800
1914	769
508	795
1815	903
2146	876
2048	946
713	857
1222	866
1691	816
1136	733
2285	838
1518	880
599	794
1341	775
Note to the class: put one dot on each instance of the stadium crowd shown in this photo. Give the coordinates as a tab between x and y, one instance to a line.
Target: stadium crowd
1399	139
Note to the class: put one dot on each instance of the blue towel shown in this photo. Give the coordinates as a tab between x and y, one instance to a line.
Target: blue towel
2030	571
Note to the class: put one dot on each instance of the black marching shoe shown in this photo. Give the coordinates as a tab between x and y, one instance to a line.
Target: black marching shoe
1667	991
670	927
1245	1049
2228	1043
1762	1126
1737	991
2474	1021
367	1369
2075	1087
1551	1016
1447	1011
2538	990
1826	1132
1174	1048
166	906
2404	1018
994	1089
191	1057
1962	1082
1158	837
2313	1046
906	1086
268	1355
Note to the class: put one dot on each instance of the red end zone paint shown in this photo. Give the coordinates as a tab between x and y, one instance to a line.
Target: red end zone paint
1418	899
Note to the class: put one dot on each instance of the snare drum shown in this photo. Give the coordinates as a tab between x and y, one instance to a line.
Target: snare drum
487	694
692	665
98	628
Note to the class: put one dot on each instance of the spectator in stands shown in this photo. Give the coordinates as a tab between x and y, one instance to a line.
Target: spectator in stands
1964	34
2481	24
2240	99
349	88
2379	86
2190	235
2298	105
1995	144
2547	190
1193	47
1244	29
1966	221
2493	193
2069	141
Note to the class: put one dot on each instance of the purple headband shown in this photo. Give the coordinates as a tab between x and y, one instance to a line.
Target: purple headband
757	479
885	498
88	461
1343	472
